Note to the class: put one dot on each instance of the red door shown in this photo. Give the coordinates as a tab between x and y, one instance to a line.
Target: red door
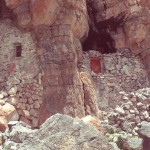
95	63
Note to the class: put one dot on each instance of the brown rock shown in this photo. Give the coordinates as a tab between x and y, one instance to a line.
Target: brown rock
26	114
36	104
63	88
34	122
47	8
21	106
34	112
3	123
20	112
13	3
25	120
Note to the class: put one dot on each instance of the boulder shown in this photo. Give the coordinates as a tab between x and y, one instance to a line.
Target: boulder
47	8
114	145
1	96
132	143
59	132
10	112
7	113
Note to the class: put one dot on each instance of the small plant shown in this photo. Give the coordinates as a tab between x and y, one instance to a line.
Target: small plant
111	131
120	142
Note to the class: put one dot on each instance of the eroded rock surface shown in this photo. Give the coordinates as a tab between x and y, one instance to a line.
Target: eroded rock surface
59	132
57	27
122	24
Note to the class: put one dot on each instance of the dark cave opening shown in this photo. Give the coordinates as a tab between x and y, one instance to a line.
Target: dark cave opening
100	33
100	41
4	10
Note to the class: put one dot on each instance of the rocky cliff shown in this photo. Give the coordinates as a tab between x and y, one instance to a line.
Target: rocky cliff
57	28
120	24
60	28
76	58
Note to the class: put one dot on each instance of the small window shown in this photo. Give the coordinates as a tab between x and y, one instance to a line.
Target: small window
18	50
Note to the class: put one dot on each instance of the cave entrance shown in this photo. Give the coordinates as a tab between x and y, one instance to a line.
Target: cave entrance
101	33
100	41
4	10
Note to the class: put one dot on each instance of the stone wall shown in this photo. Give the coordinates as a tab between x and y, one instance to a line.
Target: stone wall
21	73
127	23
121	71
57	27
66	89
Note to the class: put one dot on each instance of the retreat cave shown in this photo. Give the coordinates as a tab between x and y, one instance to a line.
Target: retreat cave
4	10
100	35
100	41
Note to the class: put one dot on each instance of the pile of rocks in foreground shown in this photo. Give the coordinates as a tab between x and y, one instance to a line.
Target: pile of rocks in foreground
62	132
59	132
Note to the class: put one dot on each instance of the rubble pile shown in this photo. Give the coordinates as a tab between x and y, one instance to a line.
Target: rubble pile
132	112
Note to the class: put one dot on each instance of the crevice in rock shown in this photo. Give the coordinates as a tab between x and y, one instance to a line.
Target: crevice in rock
83	88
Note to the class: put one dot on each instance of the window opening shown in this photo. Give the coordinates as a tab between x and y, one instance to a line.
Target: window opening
18	50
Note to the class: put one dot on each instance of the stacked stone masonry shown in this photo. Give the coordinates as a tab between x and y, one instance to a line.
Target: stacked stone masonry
133	32
21	73
121	71
57	28
58	51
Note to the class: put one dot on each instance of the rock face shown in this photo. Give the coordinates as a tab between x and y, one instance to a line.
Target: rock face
59	56
59	132
57	36
122	24
58	27
120	71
